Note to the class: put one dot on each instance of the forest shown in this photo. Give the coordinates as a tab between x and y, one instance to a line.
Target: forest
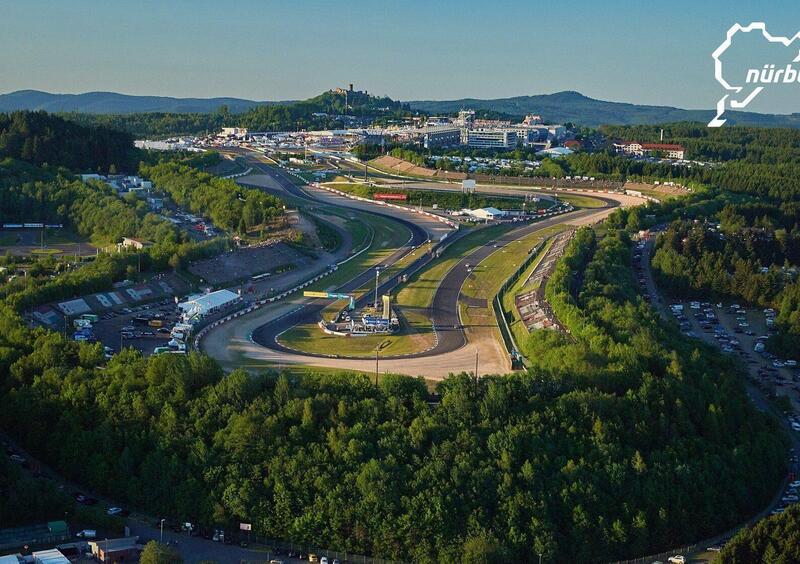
500	469
758	145
230	206
774	540
747	252
320	112
622	439
44	139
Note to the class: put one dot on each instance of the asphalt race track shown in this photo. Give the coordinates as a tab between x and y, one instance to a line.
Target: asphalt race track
451	340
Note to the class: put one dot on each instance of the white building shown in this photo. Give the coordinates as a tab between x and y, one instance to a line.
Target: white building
487	213
532	133
494	138
441	136
52	556
238	132
555	152
200	305
634	148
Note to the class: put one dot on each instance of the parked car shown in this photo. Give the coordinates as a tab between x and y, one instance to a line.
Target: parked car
84	499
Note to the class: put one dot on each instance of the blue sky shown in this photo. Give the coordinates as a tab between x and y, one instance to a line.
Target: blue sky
641	52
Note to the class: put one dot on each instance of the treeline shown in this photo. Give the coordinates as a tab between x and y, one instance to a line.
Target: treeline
502	469
754	256
759	145
41	138
696	260
156	124
622	357
230	206
321	112
774	540
51	281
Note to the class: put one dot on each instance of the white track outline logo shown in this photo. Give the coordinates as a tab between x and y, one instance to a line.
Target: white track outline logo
739	104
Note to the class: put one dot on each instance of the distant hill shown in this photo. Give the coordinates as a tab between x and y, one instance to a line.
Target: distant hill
570	106
113	103
567	106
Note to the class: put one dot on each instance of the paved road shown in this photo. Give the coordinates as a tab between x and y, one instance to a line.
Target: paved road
760	401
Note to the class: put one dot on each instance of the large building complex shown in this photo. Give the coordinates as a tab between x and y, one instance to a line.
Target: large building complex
199	306
637	149
490	138
441	136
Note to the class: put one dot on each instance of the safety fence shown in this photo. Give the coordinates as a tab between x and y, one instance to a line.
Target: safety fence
239	174
505	330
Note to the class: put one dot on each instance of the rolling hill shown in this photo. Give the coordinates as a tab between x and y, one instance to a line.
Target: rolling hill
114	103
567	106
570	106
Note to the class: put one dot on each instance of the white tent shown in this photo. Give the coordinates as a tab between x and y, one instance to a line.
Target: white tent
201	305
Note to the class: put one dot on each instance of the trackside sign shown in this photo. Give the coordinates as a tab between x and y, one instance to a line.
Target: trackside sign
401	197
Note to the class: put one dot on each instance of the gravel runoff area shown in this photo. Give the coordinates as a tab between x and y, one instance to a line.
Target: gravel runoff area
246	262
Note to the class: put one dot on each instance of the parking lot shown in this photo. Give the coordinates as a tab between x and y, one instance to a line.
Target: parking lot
143	327
741	332
245	262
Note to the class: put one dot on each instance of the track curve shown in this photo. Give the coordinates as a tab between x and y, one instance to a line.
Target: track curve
259	340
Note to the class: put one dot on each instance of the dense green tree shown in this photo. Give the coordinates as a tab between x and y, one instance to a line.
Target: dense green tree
775	540
40	138
155	553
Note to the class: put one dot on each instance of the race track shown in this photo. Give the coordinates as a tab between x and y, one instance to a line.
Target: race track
251	341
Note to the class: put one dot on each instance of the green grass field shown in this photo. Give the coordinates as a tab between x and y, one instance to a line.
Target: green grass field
486	278
416	332
518	329
582	201
46	252
310	338
420	289
387	237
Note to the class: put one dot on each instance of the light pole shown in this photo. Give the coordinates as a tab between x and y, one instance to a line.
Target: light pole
162	531
377	277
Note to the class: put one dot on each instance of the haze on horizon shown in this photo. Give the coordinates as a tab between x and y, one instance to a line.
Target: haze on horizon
268	50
